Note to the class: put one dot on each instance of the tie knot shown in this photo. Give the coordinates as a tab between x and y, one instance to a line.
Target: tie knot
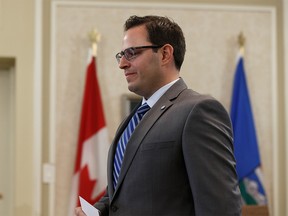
143	109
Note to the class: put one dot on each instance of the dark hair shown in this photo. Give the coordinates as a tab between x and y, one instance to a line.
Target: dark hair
161	31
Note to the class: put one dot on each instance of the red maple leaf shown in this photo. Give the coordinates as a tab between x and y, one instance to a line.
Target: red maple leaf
86	185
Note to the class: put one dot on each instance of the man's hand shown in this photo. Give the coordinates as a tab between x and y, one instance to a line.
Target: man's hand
78	212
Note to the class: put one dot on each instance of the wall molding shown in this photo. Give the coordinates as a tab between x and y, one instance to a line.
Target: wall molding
285	30
37	106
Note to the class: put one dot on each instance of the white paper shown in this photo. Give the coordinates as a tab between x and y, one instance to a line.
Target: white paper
88	209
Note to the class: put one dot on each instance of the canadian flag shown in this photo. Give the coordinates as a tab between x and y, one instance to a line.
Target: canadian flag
89	178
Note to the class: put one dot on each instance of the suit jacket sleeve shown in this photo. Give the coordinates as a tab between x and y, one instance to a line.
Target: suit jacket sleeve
210	161
103	205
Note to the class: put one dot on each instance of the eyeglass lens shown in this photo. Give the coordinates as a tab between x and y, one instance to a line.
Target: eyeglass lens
130	53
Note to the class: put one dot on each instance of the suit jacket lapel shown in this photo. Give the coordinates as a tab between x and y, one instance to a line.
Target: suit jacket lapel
111	153
163	104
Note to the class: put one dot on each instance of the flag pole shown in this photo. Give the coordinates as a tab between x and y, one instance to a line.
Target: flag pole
94	37
241	42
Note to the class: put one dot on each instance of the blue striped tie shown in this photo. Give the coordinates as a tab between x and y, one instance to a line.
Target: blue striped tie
121	146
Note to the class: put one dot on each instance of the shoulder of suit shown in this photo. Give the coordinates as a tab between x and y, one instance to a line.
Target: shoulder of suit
190	96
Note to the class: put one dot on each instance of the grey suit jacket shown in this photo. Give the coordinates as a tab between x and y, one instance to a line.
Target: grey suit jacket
179	161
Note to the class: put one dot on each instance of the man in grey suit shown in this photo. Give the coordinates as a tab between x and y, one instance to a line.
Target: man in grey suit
179	159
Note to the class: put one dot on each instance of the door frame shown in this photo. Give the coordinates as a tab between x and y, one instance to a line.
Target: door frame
8	65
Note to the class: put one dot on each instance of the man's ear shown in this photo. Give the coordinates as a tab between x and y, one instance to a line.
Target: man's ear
167	53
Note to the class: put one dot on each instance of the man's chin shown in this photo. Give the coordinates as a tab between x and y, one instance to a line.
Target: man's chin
133	88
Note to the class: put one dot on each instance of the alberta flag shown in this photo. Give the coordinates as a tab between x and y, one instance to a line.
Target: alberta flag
245	141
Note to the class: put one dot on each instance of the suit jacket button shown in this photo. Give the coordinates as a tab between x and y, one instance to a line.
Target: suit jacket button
114	208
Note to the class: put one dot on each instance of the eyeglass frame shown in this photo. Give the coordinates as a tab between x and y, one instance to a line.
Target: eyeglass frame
119	55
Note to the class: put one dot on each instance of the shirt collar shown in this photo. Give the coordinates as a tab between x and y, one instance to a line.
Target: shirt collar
156	96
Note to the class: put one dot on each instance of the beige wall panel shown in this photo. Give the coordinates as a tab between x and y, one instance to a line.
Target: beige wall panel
17	42
211	35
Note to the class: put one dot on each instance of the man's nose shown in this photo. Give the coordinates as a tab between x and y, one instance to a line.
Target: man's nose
123	63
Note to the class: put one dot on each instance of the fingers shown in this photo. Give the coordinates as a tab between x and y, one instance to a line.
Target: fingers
78	212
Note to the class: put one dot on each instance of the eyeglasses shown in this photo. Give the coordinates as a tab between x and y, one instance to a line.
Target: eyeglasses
131	53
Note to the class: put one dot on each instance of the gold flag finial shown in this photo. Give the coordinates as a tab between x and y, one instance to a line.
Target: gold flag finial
241	42
94	37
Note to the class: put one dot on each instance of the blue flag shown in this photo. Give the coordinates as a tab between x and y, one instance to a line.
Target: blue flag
245	141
